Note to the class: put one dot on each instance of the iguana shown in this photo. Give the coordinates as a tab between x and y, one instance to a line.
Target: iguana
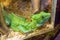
18	23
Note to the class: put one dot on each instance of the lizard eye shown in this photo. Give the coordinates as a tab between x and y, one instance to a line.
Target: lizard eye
42	16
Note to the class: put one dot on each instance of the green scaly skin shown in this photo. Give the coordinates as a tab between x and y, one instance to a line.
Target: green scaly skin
18	23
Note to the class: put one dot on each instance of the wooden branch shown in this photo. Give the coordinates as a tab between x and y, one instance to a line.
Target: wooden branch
3	31
2	21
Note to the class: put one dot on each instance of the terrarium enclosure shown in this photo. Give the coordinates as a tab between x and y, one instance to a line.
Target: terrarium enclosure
20	16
